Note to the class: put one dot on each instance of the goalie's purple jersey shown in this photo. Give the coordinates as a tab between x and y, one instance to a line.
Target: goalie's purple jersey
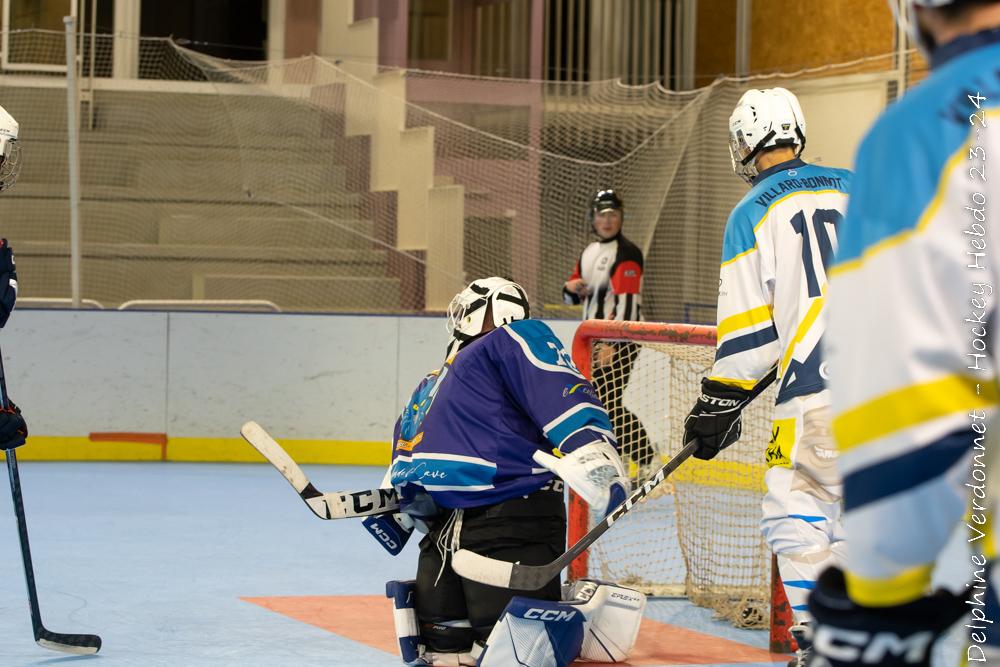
467	434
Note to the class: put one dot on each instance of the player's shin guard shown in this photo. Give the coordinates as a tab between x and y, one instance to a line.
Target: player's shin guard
798	575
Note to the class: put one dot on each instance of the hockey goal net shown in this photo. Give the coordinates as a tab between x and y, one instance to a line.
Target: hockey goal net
698	535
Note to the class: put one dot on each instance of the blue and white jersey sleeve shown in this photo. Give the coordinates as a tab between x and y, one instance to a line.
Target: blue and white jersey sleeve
543	380
747	338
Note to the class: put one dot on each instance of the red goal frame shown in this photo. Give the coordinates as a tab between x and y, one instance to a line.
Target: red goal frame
577	511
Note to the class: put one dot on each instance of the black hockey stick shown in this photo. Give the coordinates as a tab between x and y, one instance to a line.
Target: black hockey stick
335	505
80	644
500	573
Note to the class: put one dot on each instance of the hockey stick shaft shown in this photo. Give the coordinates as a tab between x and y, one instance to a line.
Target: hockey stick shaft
516	576
335	505
67	643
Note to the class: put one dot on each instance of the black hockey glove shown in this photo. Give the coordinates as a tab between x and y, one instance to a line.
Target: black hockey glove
8	281
13	429
848	634
715	419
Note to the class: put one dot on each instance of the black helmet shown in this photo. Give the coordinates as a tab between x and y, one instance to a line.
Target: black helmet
606	199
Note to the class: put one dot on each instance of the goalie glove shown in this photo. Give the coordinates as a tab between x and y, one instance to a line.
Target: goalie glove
715	420
13	429
390	530
594	472
848	634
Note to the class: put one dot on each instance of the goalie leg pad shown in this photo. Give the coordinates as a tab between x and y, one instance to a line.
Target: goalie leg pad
452	637
614	614
535	633
404	616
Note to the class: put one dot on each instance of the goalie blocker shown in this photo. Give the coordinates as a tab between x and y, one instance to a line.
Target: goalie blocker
597	622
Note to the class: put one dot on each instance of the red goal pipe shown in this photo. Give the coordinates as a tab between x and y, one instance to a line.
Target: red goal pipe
578	514
583	347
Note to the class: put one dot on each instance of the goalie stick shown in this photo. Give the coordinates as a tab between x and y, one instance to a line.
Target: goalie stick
485	570
57	641
335	505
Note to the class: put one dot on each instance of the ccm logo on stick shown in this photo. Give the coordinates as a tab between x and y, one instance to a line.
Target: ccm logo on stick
549	614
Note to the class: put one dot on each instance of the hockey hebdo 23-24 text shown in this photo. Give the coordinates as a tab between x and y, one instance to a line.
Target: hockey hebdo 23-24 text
979	301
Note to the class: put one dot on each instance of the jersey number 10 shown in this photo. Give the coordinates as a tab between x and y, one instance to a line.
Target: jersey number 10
820	218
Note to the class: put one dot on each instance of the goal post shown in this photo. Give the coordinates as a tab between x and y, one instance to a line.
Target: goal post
698	535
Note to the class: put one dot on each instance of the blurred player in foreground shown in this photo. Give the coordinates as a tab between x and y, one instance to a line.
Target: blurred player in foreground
772	288
607	279
472	466
912	352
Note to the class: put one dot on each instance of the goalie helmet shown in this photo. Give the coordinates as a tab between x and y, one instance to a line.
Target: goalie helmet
10	151
764	119
467	311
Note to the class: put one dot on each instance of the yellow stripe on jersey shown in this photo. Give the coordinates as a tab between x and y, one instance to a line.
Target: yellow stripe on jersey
904	408
745	319
907	586
814	310
900	237
732	382
763	218
742	254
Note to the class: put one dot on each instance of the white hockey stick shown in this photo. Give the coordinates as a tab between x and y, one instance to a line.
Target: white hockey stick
485	570
336	505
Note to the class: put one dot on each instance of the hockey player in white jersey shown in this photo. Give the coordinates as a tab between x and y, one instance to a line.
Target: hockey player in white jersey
772	290
912	354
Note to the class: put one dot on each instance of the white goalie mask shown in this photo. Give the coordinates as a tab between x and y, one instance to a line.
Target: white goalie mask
10	151
467	311
906	17
764	119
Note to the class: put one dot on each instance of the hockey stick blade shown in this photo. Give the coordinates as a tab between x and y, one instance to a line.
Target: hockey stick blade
520	577
335	505
77	644
66	643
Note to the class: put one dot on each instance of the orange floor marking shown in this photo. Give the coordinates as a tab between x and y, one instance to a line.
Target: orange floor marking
368	619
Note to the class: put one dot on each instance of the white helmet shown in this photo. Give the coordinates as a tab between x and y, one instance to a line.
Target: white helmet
764	119
467	311
907	19
10	151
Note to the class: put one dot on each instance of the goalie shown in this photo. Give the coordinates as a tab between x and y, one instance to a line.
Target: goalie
473	469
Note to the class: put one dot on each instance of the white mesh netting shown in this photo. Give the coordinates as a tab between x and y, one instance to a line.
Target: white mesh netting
698	536
337	186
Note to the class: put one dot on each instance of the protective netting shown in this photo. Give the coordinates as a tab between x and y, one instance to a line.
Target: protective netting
698	536
336	186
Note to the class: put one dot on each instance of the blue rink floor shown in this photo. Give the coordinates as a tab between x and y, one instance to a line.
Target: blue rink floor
155	558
